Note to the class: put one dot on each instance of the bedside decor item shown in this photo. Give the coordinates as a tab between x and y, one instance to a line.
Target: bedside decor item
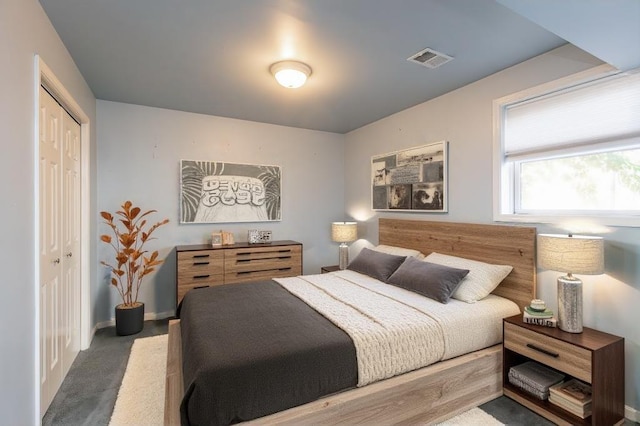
217	192
413	179
538	305
132	262
343	233
258	237
574	255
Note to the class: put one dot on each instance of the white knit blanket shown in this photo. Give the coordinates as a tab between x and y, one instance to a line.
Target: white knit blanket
390	337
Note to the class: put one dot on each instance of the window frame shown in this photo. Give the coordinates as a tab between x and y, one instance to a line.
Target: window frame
505	178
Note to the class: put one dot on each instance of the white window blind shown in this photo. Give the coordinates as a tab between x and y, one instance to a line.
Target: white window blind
588	114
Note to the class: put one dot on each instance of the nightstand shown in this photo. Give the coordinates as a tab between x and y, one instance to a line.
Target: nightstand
331	268
592	356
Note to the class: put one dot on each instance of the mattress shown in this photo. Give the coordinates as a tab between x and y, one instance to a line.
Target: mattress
253	349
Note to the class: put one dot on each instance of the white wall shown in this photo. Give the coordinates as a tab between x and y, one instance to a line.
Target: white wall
139	150
24	31
464	118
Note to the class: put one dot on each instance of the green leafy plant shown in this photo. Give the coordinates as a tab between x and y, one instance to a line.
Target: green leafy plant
131	232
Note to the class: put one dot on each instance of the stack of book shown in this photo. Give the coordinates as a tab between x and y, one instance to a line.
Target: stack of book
534	378
537	317
573	396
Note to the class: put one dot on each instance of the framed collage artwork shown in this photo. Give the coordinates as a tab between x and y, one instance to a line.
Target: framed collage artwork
413	179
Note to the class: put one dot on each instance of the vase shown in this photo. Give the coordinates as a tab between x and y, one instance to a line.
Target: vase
129	319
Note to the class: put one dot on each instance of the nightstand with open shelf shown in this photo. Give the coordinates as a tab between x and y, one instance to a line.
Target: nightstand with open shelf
592	356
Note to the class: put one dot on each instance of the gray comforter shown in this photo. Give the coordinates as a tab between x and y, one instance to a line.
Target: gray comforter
253	349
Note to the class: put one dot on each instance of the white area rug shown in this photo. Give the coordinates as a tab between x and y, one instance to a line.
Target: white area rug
473	417
140	399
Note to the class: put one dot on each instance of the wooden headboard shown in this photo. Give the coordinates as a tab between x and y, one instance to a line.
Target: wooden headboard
497	244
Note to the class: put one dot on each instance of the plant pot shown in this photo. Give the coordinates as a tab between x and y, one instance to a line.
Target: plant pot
129	319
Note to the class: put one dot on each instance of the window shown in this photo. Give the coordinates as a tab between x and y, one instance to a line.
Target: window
570	152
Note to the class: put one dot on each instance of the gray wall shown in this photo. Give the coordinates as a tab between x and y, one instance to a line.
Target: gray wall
464	118
139	150
24	31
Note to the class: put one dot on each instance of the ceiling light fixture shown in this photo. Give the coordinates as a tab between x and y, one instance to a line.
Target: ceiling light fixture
290	74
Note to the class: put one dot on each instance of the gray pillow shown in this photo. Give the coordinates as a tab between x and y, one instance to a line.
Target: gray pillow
437	282
376	264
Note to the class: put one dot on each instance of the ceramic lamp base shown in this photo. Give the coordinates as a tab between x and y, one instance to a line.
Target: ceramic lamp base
570	304
343	254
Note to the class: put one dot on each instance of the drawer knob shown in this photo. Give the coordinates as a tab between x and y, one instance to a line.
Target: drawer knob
200	256
542	350
200	263
199	277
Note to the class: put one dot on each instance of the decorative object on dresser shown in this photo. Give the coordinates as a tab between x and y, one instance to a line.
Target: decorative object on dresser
202	265
216	238
132	262
592	357
413	179
573	254
343	233
218	192
258	237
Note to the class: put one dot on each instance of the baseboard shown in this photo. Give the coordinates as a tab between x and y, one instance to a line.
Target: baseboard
631	414
150	316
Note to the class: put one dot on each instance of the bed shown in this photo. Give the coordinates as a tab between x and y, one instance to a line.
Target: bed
428	394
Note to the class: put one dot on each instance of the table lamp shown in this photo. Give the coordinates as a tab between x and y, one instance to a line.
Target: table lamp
343	233
574	255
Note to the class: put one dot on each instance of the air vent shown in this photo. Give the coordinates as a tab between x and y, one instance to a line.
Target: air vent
429	58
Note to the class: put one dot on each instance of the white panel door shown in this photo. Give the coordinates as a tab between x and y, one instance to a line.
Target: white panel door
50	155
59	158
70	301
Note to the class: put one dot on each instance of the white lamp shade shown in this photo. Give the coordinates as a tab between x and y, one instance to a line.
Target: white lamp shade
571	254
344	232
290	74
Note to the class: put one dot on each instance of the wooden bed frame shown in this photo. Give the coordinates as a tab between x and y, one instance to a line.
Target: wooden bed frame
430	394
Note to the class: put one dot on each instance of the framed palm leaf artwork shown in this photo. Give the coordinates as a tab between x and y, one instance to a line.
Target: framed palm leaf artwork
218	192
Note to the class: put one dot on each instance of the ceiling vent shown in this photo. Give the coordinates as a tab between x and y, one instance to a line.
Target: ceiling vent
429	58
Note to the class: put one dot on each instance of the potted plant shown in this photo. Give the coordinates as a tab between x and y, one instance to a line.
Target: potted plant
132	264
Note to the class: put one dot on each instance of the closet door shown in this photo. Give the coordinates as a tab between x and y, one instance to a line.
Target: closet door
70	307
50	156
59	168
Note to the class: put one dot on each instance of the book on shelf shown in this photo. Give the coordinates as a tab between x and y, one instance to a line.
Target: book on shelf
573	396
582	411
534	378
547	322
574	391
547	313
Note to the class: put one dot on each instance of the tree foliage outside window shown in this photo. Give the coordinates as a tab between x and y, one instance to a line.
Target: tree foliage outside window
594	182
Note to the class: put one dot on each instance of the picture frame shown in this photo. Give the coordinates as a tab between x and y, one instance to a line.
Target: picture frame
221	192
216	238
411	180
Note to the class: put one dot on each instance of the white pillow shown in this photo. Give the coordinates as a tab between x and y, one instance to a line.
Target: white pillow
482	279
398	251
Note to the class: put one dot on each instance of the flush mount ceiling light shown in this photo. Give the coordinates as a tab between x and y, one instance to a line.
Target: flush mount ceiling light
290	74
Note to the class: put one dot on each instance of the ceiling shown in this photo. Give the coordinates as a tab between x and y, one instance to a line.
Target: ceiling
213	56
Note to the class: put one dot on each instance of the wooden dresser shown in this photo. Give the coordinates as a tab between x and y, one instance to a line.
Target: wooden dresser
201	265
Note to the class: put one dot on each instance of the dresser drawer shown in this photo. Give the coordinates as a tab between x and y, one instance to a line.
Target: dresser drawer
185	286
256	263
262	259
562	356
197	263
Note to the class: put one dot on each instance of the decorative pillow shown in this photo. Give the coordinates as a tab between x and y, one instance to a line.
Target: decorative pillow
398	251
376	264
437	282
482	279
